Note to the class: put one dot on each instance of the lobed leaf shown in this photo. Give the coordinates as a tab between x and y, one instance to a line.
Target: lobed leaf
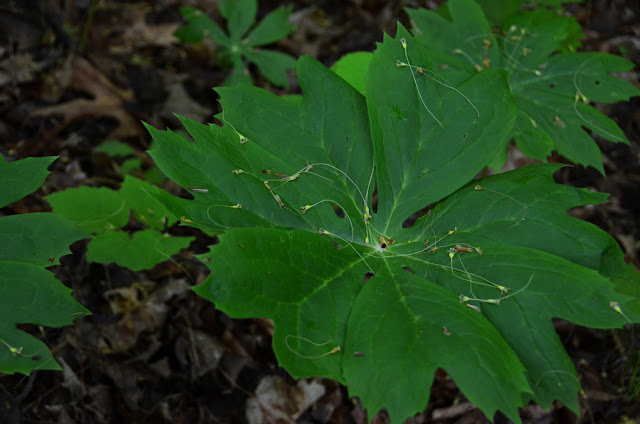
553	91
272	28
369	291
142	250
103	211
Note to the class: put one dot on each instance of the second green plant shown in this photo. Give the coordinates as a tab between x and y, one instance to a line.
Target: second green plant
240	44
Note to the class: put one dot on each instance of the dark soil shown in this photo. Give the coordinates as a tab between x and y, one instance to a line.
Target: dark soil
155	352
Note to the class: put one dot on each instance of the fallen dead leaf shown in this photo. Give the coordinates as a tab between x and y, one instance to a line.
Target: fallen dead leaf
276	402
108	100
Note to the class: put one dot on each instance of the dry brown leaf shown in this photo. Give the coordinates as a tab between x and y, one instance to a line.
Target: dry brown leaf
276	402
139	33
108	100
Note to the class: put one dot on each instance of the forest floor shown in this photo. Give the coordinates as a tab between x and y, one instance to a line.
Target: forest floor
153	351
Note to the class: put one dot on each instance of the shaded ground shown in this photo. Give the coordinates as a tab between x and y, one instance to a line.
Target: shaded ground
154	351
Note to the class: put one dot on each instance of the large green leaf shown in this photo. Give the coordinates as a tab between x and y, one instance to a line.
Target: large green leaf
553	92
358	291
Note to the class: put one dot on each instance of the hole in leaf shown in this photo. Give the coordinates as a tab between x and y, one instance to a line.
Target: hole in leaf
597	82
552	85
408	223
374	199
185	194
368	276
408	268
338	210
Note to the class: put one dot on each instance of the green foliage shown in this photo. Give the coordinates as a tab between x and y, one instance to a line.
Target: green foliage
104	212
238	45
553	90
353	69
28	292
143	250
115	148
357	291
497	11
130	161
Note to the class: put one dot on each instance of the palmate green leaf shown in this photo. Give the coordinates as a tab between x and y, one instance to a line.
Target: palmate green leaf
362	295
28	292
552	91
272	28
143	250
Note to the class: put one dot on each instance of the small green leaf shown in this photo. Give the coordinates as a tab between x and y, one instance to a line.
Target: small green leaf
199	26
130	165
239	74
141	251
273	65
92	209
146	208
22	177
240	15
115	148
272	28
353	67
